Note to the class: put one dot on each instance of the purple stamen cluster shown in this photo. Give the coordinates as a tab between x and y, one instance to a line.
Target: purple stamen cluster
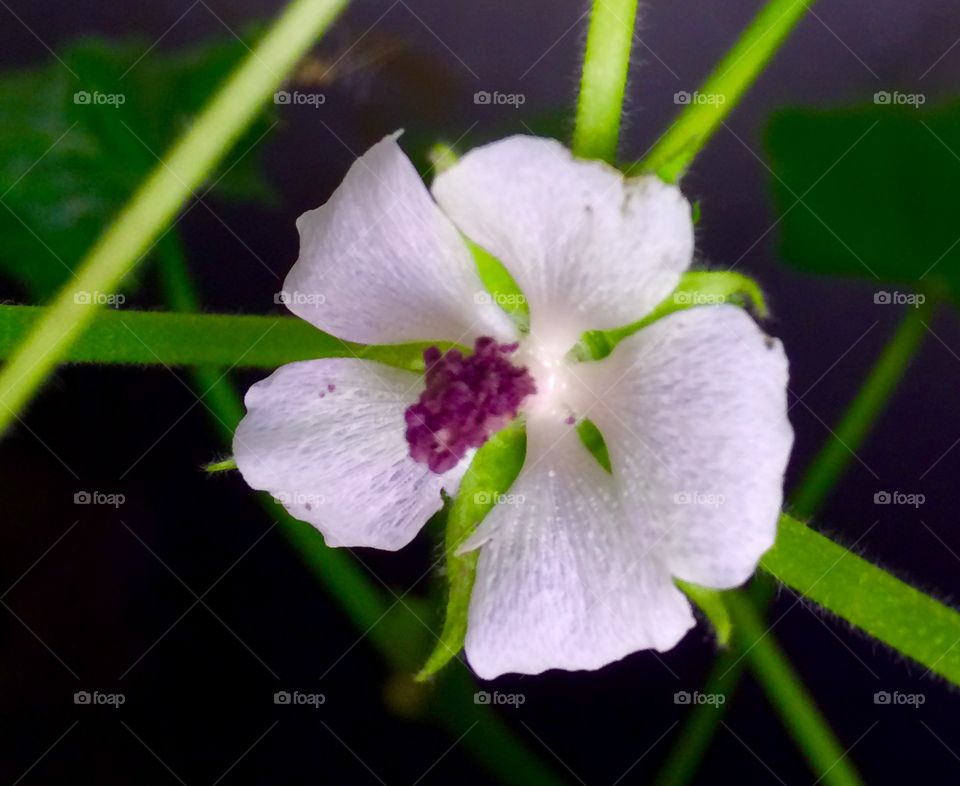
467	399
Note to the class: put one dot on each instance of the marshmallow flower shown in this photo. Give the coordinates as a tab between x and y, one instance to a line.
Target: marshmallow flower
577	566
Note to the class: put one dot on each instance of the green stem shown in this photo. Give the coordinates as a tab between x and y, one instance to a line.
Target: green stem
901	616
874	393
211	382
392	627
703	114
604	79
161	195
188	339
824	473
788	696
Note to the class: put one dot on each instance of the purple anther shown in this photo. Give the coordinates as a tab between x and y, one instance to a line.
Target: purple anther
466	400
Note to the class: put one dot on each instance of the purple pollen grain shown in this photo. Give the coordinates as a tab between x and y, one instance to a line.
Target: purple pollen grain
466	400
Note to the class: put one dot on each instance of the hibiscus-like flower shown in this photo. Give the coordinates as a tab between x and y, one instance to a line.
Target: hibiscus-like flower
578	570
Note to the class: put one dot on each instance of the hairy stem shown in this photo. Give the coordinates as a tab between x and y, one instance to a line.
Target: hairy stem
189	339
881	605
603	80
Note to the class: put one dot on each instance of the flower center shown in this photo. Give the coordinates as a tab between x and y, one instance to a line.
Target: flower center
466	400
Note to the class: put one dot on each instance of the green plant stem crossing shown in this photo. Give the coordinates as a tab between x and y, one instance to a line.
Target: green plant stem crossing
159	198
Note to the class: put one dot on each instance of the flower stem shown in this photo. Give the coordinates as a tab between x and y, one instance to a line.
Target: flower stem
902	617
603	80
190	339
788	696
835	455
160	196
721	92
822	475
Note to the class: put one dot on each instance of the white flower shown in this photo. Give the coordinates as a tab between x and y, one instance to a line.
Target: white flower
580	570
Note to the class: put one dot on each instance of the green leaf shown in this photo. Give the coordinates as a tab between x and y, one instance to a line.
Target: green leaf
491	473
901	616
593	441
502	288
73	148
696	288
158	338
869	192
713	604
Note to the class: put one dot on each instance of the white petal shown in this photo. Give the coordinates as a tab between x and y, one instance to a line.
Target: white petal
563	580
588	248
380	263
453	477
693	410
338	458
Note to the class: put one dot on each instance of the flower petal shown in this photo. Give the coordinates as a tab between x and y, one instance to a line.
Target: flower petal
326	438
693	409
563	580
589	248
380	263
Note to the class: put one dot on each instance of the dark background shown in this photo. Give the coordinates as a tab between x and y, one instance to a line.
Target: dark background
199	704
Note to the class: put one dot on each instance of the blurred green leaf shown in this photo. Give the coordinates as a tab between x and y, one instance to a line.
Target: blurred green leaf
870	191
73	148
